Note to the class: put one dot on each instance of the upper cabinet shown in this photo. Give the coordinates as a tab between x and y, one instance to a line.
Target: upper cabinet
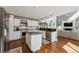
51	22
48	23
32	23
16	22
43	24
35	23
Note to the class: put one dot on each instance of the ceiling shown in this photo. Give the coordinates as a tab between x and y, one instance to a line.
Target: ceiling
39	12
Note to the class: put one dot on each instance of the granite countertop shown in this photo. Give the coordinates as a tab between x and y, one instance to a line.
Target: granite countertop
33	33
48	29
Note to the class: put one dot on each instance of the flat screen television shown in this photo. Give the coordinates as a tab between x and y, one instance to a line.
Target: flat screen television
68	24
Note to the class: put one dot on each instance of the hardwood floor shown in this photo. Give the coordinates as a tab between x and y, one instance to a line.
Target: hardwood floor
56	47
25	48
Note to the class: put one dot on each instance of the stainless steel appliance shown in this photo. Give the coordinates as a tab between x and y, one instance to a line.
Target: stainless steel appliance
67	26
3	29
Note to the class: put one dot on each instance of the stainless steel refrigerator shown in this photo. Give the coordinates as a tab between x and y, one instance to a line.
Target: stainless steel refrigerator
3	19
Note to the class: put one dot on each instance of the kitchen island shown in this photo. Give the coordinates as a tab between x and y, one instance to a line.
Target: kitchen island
51	34
34	40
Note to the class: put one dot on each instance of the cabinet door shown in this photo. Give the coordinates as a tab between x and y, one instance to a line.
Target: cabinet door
35	23
53	36
73	35
62	33
32	23
16	35
76	35
29	23
36	42
16	22
67	34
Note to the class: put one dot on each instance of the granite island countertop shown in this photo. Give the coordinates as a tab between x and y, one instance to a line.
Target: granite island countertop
48	29
33	33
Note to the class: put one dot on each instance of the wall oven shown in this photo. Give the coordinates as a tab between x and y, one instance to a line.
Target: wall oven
67	26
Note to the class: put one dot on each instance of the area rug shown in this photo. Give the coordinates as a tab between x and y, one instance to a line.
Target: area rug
71	48
15	50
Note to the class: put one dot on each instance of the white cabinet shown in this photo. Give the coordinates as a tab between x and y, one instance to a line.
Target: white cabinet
16	22
43	34
69	34
32	23
35	23
66	34
29	23
16	35
62	33
54	36
34	41
77	38
75	35
13	35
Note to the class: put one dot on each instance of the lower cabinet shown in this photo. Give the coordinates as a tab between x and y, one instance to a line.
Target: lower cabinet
33	41
51	36
16	35
44	34
54	36
75	35
69	34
